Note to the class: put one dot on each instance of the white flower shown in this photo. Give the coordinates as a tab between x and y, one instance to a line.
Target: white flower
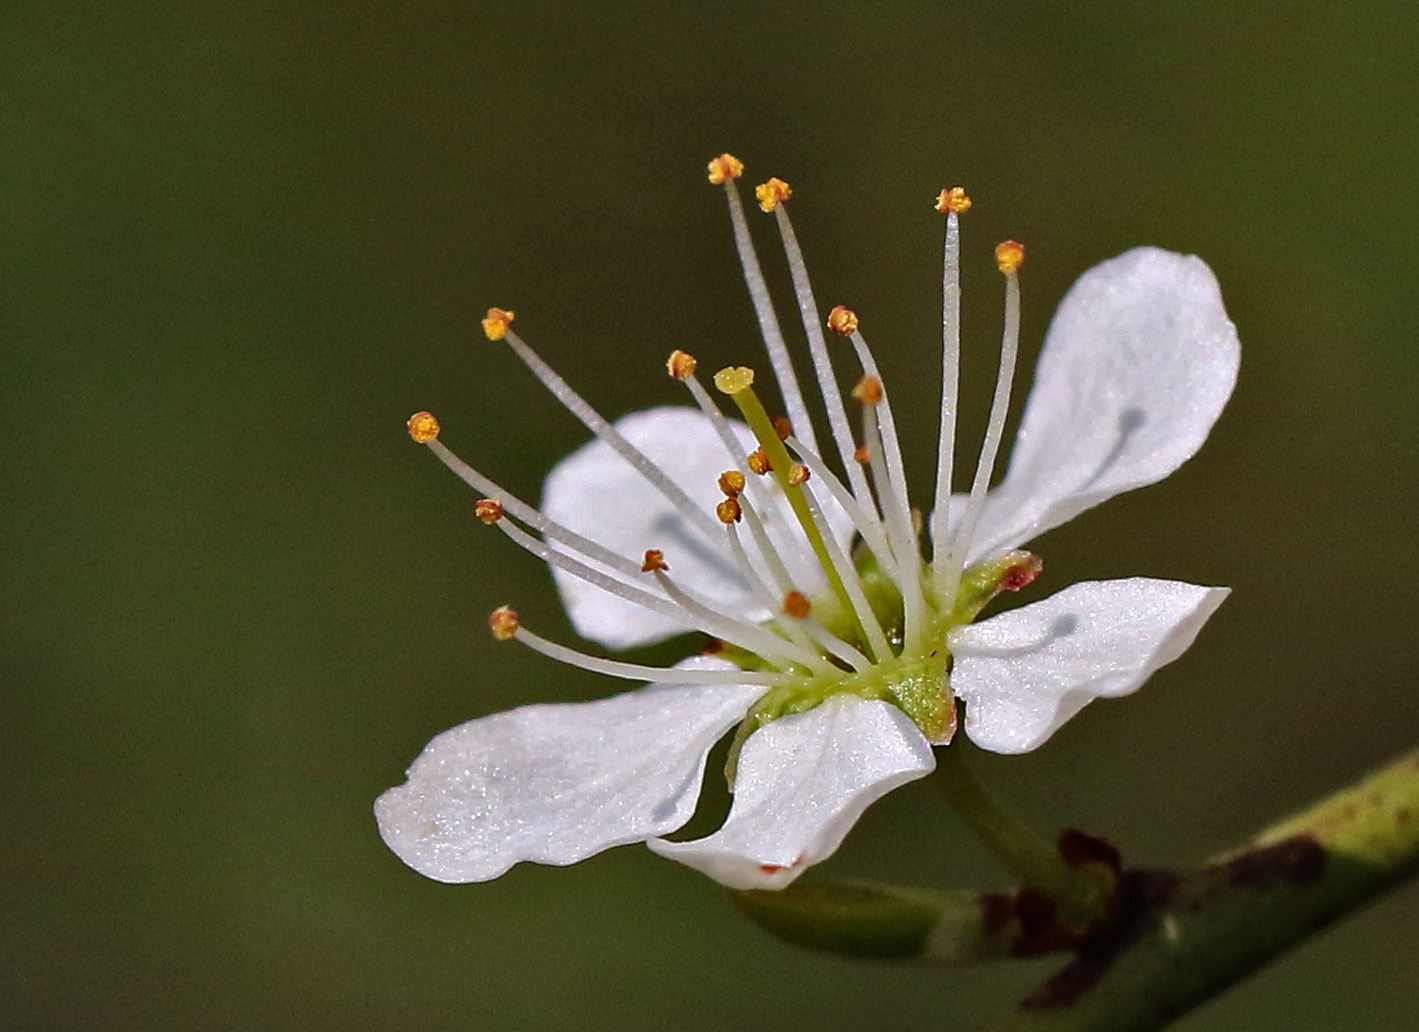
845	651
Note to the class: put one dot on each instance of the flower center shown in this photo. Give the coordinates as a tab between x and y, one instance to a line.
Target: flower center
869	616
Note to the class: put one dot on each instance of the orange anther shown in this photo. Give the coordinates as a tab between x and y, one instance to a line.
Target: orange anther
773	193
862	456
953	200
729	510
843	320
423	427
782	427
731	482
759	461
489	510
1009	256
796	605
798	475
680	365
503	622
654	560
868	390
726	166
496	324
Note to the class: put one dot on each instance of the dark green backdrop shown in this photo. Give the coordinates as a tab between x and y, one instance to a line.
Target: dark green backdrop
240	242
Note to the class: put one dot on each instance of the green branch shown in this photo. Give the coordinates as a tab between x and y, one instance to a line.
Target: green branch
1208	929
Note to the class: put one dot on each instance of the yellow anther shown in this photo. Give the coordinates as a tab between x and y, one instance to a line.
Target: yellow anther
759	461
726	166
868	390
773	193
729	511
1009	256
798	475
423	427
782	427
497	322
733	379
953	200
489	510
796	605
680	365
654	560
731	482
862	456
503	622
843	320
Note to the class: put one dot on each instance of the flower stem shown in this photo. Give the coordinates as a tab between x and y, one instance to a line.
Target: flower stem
1081	893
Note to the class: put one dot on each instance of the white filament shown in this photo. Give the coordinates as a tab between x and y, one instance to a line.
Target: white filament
638	672
599	426
773	602
950	387
768	321
897	505
527	514
995	431
822	362
693	615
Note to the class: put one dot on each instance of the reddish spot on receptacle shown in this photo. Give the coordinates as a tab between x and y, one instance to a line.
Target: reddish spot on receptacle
1022	575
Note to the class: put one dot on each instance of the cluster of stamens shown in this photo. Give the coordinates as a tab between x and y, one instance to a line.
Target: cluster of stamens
792	649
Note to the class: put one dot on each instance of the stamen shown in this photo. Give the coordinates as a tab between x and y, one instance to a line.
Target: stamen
767	599
681	365
503	622
496	324
737	383
689	612
527	514
768	646
772	194
489	510
835	646
654	560
726	166
796	605
901	536
798	475
759	462
1008	257
682	368
635	671
822	363
870	529
952	203
852	584
732	482
763	308
868	390
729	511
593	421
897	506
423	427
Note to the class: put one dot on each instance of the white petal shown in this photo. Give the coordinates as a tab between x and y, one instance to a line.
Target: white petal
598	494
555	783
1135	369
1024	673
803	781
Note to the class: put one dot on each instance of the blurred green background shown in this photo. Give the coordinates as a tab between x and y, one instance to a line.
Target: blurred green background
240	243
